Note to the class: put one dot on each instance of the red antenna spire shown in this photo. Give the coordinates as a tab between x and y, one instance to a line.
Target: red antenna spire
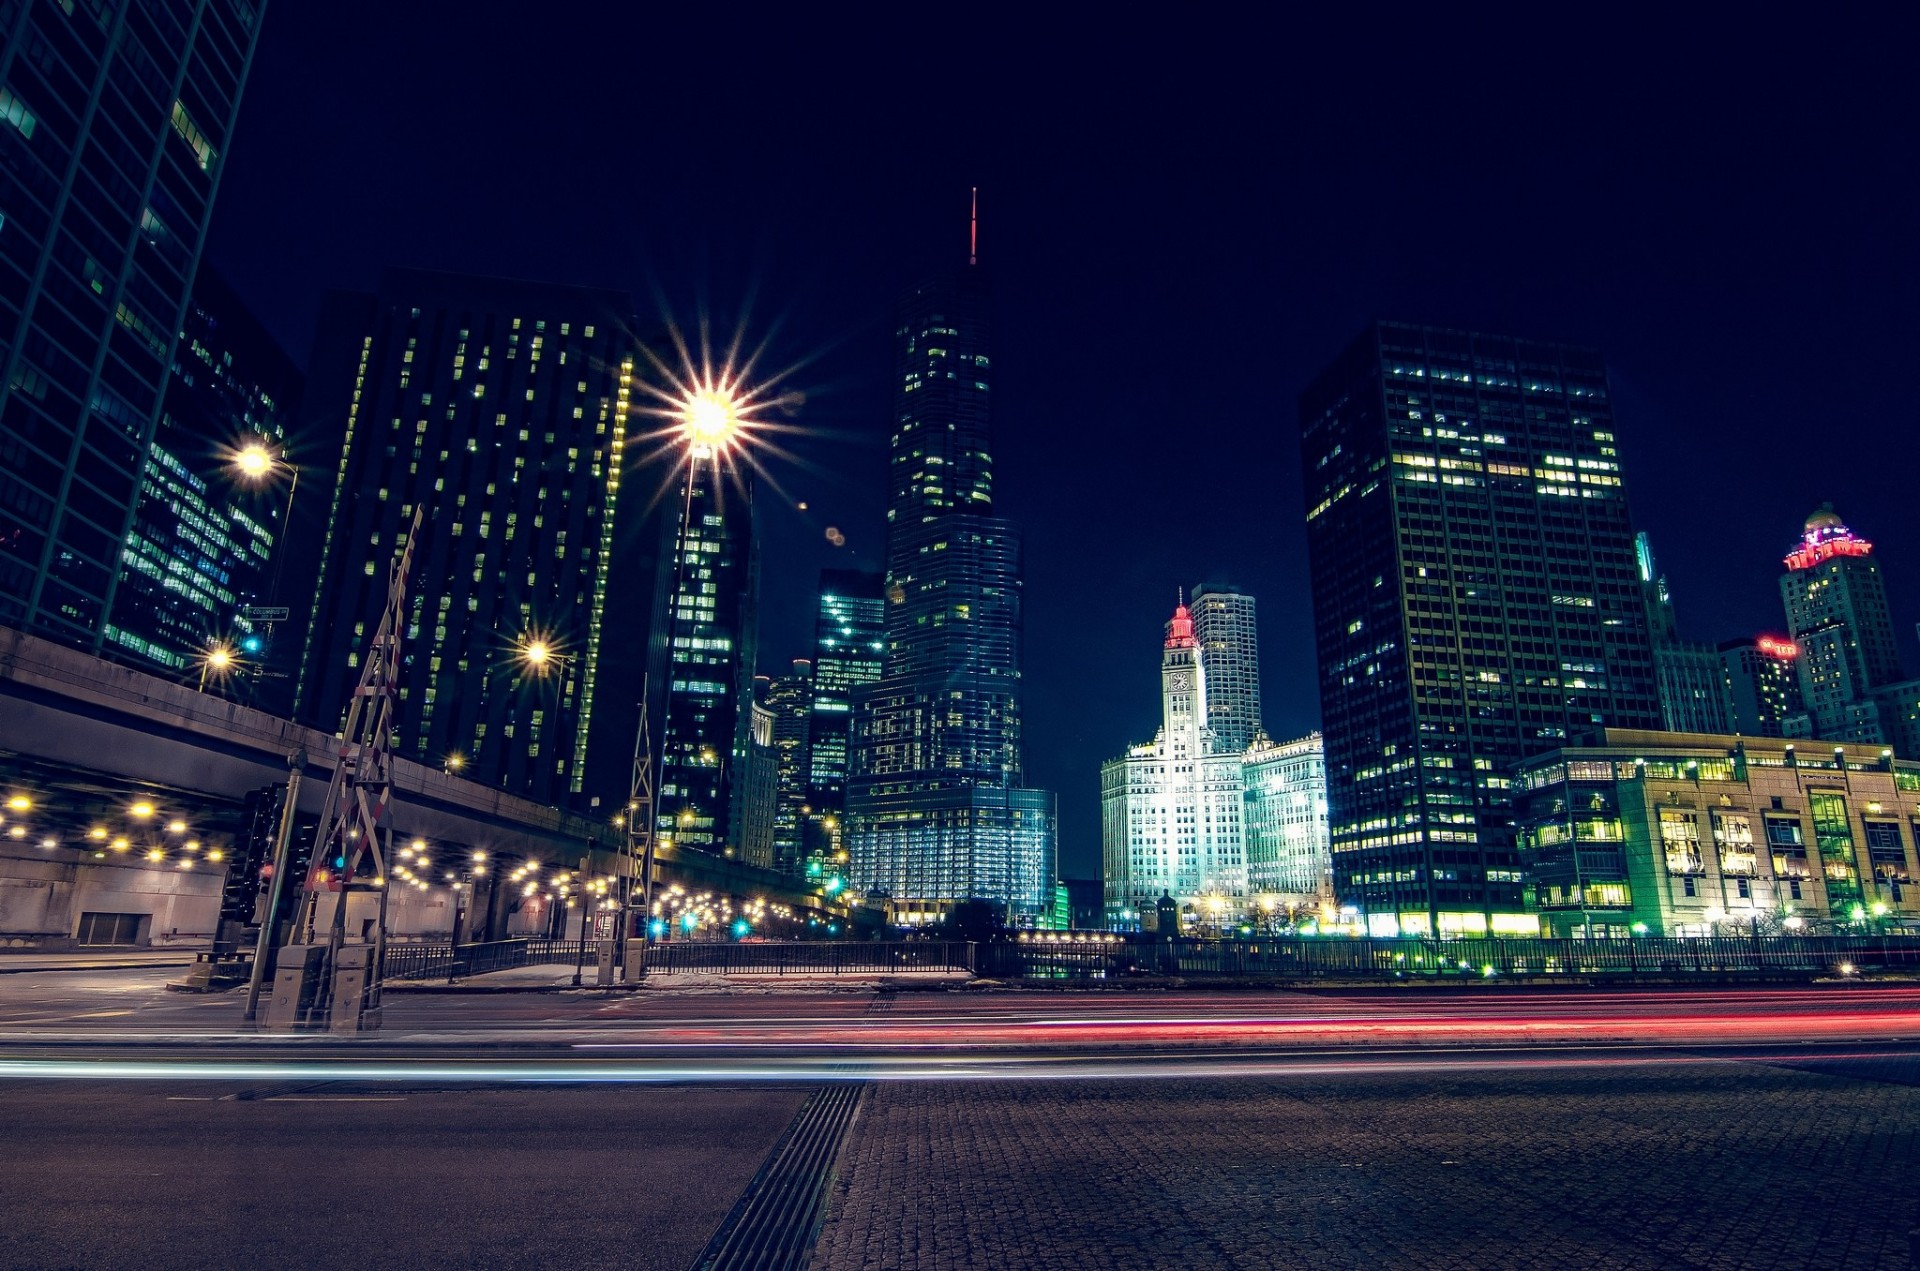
973	230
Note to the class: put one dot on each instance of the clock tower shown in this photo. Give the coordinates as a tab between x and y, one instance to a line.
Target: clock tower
1183	689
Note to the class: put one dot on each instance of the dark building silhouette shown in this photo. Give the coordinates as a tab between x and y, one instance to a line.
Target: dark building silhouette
500	408
937	812
202	565
114	121
1476	601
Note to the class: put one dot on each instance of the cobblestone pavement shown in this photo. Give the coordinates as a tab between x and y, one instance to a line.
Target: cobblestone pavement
1689	1165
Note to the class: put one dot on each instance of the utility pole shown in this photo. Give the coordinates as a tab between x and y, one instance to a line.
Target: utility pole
327	982
640	838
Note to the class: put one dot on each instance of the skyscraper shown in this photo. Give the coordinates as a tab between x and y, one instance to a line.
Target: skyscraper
1223	622
936	809
1689	676
1476	600
789	698
707	637
500	408
114	118
849	647
1836	605
201	560
1171	809
1763	684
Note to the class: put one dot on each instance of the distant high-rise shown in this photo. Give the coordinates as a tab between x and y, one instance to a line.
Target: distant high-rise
709	631
936	809
1476	601
1285	821
1171	808
1223	622
1689	676
758	798
849	648
1836	606
789	698
201	562
1763	684
114	122
500	408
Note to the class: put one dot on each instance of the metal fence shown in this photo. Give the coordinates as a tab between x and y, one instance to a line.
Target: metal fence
825	957
1338	957
439	961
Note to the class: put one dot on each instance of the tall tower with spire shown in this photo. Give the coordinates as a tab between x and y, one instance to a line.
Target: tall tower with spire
1171	809
937	809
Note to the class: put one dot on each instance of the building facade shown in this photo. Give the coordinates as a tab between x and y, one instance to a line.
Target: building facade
1172	808
708	639
789	698
499	410
1689	834
759	799
1763	684
1476	600
1836	606
1288	853
114	121
1689	676
200	565
849	652
937	809
1224	623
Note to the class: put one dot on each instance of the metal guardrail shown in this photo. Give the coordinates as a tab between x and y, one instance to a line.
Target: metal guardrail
1335	957
825	957
439	961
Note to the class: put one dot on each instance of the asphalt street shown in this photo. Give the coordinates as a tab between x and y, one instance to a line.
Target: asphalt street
1628	1128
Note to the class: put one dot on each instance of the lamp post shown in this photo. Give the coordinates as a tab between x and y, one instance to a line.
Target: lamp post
219	660
706	420
257	463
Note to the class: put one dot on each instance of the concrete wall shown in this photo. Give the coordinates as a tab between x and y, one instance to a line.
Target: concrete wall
41	901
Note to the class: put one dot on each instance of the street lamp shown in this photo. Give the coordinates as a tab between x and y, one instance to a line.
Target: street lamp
219	660
256	462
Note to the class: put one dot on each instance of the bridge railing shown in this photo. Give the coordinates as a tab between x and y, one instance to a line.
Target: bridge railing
823	957
439	961
1406	958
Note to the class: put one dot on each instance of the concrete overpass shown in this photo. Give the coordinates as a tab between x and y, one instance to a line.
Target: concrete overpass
83	740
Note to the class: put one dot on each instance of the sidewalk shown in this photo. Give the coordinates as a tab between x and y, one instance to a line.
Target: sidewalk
95	960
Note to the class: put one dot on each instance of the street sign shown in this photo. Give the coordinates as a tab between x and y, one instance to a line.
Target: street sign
265	613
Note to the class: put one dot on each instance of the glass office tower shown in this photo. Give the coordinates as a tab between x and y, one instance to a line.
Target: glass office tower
849	647
936	809
114	121
1476	601
710	631
204	556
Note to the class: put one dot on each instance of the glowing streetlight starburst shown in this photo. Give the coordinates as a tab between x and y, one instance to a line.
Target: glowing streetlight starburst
254	460
715	406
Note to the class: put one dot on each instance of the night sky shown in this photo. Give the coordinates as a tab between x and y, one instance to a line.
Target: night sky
1184	223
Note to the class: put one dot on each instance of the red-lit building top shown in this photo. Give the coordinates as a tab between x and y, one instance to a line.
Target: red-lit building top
1825	537
1180	630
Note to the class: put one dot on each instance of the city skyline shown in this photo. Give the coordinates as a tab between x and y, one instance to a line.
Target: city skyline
1708	348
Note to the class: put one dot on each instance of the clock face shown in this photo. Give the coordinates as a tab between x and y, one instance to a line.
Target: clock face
1180	681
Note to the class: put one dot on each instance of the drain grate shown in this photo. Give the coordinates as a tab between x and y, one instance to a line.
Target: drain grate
777	1219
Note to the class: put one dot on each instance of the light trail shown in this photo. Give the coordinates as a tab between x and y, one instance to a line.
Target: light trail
1462	1062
